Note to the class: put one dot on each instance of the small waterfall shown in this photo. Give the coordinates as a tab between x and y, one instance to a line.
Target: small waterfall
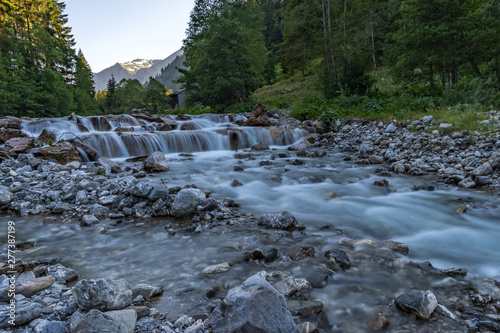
209	132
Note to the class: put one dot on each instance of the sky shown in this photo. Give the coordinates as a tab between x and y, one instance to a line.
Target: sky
111	31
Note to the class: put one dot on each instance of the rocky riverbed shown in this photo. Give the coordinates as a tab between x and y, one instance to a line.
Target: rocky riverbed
278	286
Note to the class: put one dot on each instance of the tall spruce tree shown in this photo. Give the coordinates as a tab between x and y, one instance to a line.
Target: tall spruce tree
84	84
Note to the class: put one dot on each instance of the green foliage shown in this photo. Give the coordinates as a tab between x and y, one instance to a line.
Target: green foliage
224	52
155	96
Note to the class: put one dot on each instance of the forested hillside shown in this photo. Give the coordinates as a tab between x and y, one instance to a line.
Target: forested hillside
445	50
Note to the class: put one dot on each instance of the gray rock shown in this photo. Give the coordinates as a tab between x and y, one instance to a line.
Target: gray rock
81	197
102	294
375	159
107	164
141	190
186	202
217	269
97	322
26	311
236	183
422	303
427	119
28	285
127	318
156	162
53	195
158	192
62	274
445	128
494	160
147	325
290	285
54	327
99	211
467	183
255	306
261	146
483	170
338	258
391	128
4	199
146	291
283	220
88	220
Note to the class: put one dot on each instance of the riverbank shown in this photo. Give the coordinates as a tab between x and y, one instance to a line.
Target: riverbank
301	265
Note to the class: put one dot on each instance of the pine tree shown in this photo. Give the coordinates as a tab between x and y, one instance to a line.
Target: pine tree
84	84
111	98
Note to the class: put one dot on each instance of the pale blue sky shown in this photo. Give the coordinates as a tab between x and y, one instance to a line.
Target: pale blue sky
111	31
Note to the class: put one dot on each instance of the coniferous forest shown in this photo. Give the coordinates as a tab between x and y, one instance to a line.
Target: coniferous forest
364	54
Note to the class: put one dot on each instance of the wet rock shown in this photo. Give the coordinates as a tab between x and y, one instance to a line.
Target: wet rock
97	322
146	291
374	159
304	308
186	202
63	152
338	258
381	183
156	162
399	168
28	285
395	247
4	199
26	311
242	309
217	269
189	126
283	220
310	180
261	146
422	303
379	322
291	285
19	145
128	129
62	274
238	168
102	294
9	133
305	251
159	191
88	220
4	288
236	183
141	190
92	154
47	136
100	123
127	318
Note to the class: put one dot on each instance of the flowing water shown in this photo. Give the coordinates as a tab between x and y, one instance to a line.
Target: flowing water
340	194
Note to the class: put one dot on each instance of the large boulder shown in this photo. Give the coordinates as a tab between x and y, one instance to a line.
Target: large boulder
100	123
19	145
283	220
422	303
189	126
10	122
97	322
186	202
8	133
255	306
48	135
102	294
63	153
156	162
259	117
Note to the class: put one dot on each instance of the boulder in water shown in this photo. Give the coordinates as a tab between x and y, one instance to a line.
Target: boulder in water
186	202
422	303
63	152
261	146
156	162
189	126
283	220
48	135
255	306
10	122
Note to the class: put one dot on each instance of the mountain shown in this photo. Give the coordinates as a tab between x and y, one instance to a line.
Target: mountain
171	72
139	69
